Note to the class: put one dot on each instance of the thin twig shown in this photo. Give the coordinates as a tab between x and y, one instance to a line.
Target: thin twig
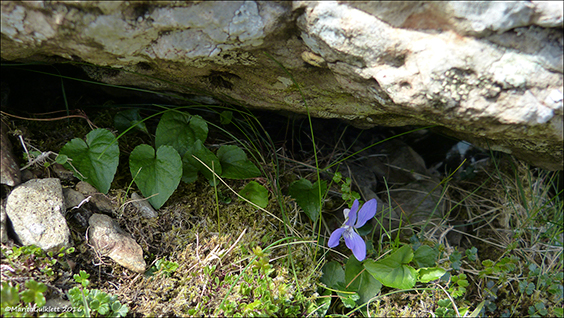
82	115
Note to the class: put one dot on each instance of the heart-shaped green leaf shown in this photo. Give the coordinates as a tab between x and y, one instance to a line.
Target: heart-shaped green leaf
352	279
191	165
369	287
360	281
425	256
392	272
225	117
127	118
94	161
333	275
352	269
308	196
180	130
156	174
255	193
234	163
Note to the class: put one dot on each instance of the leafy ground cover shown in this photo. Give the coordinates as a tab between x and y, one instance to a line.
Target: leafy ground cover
247	204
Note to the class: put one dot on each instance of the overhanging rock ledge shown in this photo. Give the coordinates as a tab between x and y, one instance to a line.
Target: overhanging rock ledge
487	72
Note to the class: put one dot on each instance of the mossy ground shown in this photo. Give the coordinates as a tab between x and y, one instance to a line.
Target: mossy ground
198	235
512	214
208	231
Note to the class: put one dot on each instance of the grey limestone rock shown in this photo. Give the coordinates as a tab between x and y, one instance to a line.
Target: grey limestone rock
73	198
99	200
3	222
9	170
110	240
144	207
487	72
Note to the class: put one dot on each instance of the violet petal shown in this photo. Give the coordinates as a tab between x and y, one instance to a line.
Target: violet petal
367	212
352	213
335	237
356	244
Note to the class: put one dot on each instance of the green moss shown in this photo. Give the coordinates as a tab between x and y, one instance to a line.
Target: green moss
211	261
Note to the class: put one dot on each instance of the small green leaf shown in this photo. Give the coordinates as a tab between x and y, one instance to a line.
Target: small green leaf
34	293
191	165
167	267
127	118
10	295
425	256
95	304
180	130
225	117
456	258
337	177
96	159
392	272
235	164
429	274
472	253
461	281
82	278
308	196
323	303
158	174
445	303
75	295
486	263
61	159
255	193
349	300
119	309
103	308
104	298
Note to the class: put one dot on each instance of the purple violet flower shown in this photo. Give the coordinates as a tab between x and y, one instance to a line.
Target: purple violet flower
353	241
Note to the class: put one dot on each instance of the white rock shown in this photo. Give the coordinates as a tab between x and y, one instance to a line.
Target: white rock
549	13
36	209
